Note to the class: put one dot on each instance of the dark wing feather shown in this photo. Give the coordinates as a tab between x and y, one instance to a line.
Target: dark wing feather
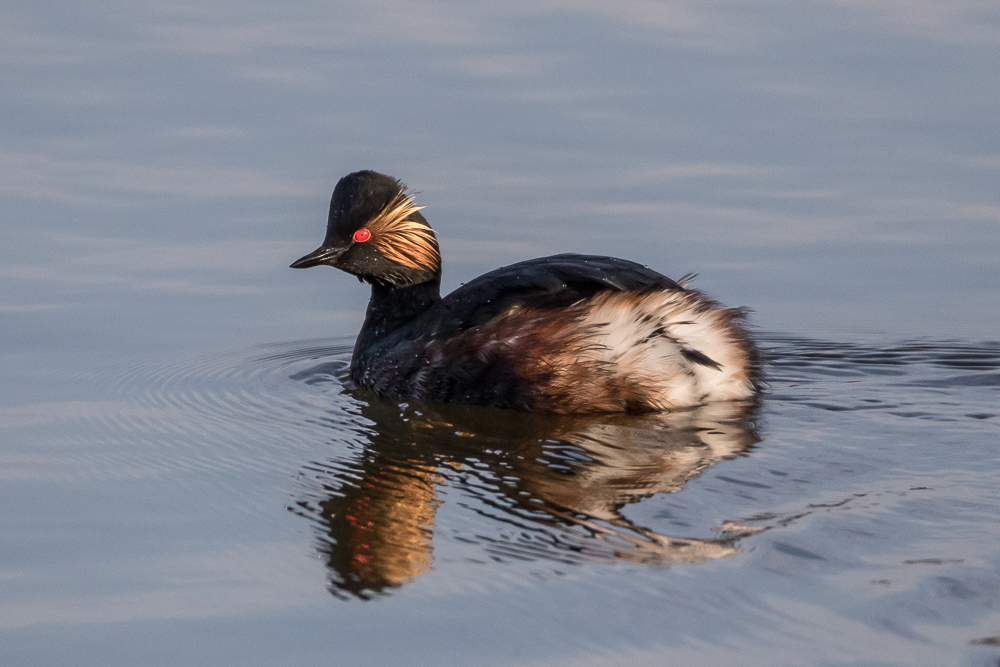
546	282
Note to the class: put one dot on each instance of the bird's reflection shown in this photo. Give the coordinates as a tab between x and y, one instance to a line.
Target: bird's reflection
554	484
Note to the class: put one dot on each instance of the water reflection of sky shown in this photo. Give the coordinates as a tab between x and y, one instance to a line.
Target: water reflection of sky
833	166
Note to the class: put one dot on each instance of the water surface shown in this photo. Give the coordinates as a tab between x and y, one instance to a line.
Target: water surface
255	499
188	478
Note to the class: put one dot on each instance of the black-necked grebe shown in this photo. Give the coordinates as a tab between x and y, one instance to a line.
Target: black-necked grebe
562	334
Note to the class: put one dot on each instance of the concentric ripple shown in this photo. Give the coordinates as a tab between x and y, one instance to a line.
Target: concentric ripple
243	390
217	416
371	476
261	401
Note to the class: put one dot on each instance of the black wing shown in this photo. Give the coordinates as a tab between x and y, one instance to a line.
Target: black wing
547	282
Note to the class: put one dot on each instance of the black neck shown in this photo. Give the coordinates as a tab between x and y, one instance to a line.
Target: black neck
392	307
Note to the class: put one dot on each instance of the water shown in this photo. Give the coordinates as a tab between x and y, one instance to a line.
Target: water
246	506
189	478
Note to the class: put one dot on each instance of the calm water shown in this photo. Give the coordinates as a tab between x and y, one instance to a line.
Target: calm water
189	478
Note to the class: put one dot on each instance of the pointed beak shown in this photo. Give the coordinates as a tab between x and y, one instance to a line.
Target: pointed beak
321	255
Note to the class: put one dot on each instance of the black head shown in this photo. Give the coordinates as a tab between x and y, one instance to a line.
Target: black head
376	233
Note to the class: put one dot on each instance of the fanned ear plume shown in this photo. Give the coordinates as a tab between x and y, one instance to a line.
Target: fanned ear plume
408	242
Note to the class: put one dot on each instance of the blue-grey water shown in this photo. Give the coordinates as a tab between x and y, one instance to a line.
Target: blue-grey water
189	478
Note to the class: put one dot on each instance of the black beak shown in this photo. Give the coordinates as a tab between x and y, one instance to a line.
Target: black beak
321	255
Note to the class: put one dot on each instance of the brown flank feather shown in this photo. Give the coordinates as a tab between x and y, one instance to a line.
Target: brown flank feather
408	242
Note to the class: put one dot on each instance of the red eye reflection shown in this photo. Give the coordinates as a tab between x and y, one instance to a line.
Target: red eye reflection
362	235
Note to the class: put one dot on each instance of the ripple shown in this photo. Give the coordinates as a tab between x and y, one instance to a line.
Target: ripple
791	357
882	379
220	416
298	392
371	475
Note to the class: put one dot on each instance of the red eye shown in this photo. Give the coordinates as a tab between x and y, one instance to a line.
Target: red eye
362	235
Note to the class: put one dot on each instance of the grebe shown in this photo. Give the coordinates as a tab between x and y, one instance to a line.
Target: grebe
561	334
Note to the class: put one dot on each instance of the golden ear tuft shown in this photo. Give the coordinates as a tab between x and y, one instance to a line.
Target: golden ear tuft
408	242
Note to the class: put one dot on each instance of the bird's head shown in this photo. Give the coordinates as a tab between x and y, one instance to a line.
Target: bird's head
376	233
